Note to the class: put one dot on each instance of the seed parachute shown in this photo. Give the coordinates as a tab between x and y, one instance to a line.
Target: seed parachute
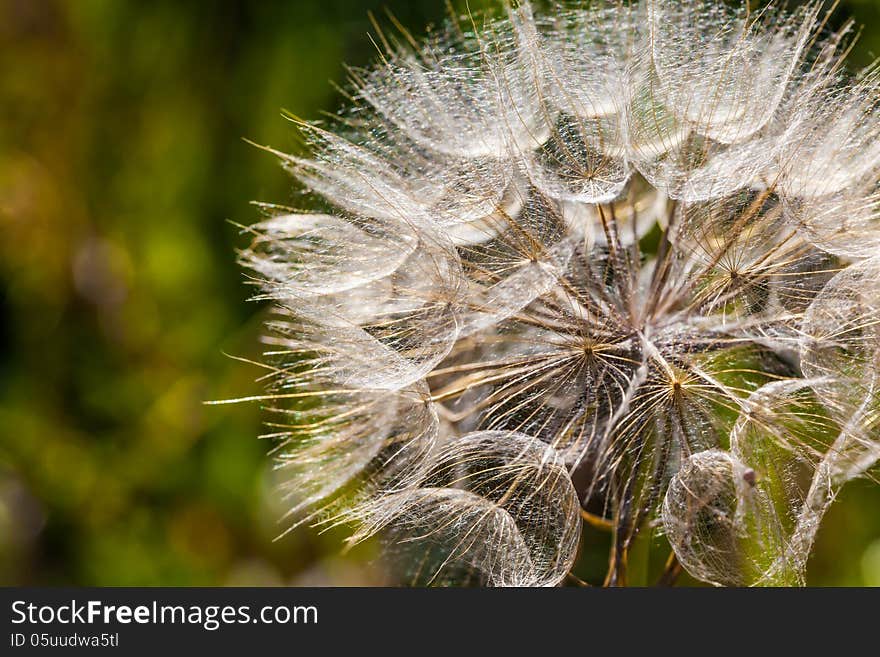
615	261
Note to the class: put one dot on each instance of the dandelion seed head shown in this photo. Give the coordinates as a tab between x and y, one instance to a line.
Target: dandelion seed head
616	256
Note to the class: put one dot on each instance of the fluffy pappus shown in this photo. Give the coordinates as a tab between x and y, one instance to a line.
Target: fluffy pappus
605	261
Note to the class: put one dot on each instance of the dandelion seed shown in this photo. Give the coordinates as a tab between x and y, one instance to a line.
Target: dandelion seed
618	256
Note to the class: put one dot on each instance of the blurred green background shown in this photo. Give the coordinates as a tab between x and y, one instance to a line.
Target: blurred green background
121	161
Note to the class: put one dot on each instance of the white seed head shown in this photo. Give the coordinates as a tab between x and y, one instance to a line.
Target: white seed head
621	257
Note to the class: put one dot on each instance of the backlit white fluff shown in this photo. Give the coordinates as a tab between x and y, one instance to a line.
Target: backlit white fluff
616	261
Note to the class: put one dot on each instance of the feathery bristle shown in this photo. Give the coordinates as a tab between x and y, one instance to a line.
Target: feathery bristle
621	256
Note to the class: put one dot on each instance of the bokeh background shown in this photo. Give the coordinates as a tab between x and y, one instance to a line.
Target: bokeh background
121	168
